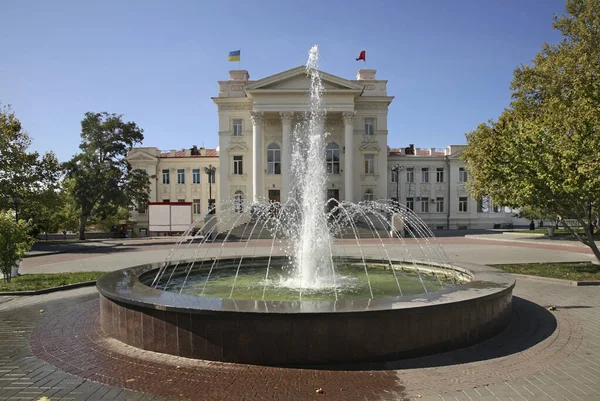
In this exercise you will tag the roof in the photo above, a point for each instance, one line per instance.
(182, 153)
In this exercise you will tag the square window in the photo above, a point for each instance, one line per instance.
(180, 176)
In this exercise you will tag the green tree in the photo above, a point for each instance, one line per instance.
(23, 175)
(102, 177)
(15, 242)
(544, 151)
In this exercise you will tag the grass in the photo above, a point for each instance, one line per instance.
(31, 282)
(567, 271)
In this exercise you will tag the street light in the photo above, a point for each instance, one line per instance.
(16, 203)
(210, 171)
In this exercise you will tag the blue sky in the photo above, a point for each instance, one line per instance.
(449, 63)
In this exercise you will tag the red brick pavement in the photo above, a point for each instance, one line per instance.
(72, 340)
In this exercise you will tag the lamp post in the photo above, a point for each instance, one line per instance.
(210, 171)
(16, 204)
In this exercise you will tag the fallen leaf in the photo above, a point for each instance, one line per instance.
(129, 380)
(169, 380)
(552, 308)
(42, 311)
(44, 398)
(319, 390)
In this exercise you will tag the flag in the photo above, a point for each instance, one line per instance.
(362, 56)
(234, 56)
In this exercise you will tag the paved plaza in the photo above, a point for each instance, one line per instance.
(53, 346)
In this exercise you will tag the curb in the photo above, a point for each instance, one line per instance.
(531, 241)
(52, 289)
(83, 249)
(558, 280)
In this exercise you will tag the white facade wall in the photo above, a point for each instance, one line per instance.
(270, 108)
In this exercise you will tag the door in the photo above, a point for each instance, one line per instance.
(274, 199)
(333, 198)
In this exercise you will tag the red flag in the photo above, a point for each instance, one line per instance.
(363, 56)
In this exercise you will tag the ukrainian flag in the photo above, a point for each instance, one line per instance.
(234, 56)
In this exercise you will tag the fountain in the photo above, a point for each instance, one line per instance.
(306, 281)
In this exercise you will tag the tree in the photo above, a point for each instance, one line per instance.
(15, 242)
(543, 151)
(102, 177)
(23, 175)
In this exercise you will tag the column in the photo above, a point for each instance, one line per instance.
(348, 156)
(257, 119)
(286, 153)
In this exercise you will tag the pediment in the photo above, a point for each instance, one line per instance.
(237, 146)
(369, 146)
(141, 156)
(297, 79)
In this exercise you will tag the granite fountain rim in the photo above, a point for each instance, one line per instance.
(124, 286)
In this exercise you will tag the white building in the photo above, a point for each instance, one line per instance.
(256, 121)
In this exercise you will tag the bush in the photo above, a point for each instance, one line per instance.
(15, 242)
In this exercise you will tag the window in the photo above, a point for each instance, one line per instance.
(239, 202)
(410, 174)
(439, 205)
(369, 195)
(141, 208)
(425, 174)
(196, 176)
(211, 178)
(394, 176)
(180, 176)
(196, 206)
(425, 205)
(166, 200)
(165, 174)
(410, 203)
(369, 164)
(439, 174)
(273, 159)
(462, 175)
(462, 204)
(369, 126)
(332, 156)
(237, 127)
(181, 200)
(238, 165)
(496, 208)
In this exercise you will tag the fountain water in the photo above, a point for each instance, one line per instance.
(293, 270)
(313, 255)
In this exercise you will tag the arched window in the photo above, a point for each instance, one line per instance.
(333, 158)
(239, 201)
(273, 159)
(369, 195)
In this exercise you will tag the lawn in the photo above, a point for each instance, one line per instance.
(567, 271)
(31, 282)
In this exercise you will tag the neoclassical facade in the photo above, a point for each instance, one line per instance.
(256, 124)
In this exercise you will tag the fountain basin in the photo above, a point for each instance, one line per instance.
(304, 332)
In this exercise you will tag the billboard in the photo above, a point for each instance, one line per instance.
(169, 216)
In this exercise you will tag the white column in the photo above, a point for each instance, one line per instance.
(257, 119)
(348, 156)
(286, 153)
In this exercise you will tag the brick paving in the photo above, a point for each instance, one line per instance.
(542, 356)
